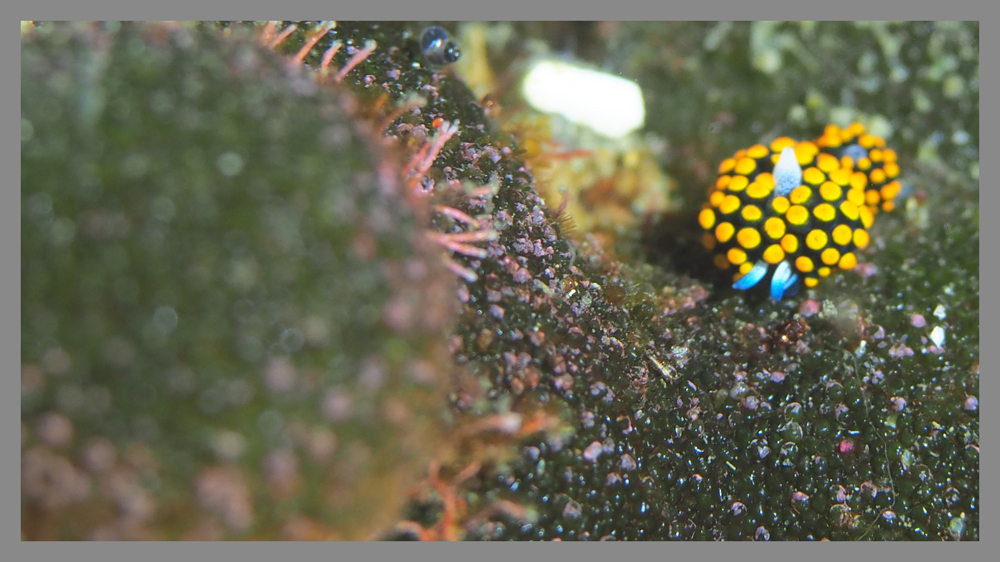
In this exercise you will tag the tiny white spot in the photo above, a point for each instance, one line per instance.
(229, 164)
(163, 209)
(937, 336)
(593, 451)
(62, 231)
(165, 319)
(939, 312)
(229, 445)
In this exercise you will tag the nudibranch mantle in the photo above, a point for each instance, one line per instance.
(792, 212)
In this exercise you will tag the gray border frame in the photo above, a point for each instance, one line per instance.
(506, 10)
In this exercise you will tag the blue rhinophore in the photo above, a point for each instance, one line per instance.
(752, 277)
(856, 152)
(783, 282)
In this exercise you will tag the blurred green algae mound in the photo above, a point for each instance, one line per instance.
(230, 324)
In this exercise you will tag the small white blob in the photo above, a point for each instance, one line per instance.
(937, 336)
(940, 312)
(593, 451)
(610, 105)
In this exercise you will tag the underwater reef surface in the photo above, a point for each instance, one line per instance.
(233, 327)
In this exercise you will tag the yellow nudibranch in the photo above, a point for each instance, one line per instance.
(794, 212)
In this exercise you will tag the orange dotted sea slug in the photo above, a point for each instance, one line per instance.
(794, 212)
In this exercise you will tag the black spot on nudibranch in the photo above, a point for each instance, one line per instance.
(437, 47)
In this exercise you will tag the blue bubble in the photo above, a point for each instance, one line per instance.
(437, 47)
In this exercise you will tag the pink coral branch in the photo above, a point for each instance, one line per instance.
(267, 34)
(473, 236)
(447, 242)
(314, 38)
(482, 192)
(283, 35)
(357, 59)
(398, 112)
(460, 270)
(328, 55)
(422, 161)
(457, 215)
(444, 133)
